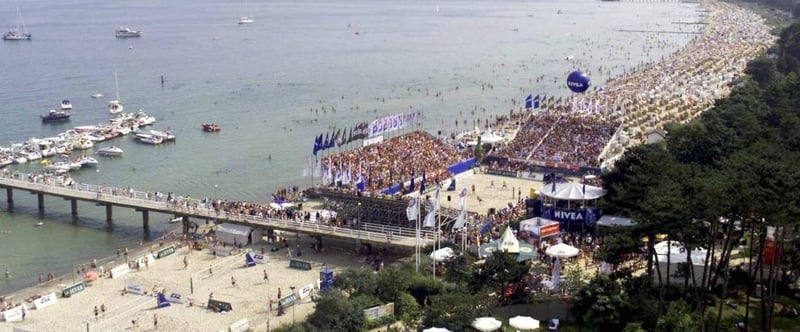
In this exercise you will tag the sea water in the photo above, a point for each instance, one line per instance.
(273, 86)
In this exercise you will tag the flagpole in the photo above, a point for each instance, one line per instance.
(419, 214)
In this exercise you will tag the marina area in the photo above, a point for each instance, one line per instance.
(276, 108)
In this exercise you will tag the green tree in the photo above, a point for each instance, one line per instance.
(356, 281)
(455, 311)
(679, 318)
(335, 313)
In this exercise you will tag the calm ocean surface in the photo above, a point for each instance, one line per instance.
(266, 84)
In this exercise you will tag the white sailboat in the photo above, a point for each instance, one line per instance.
(17, 33)
(246, 19)
(114, 106)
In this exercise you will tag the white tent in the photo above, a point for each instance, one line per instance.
(491, 138)
(571, 191)
(677, 253)
(227, 232)
(561, 250)
(486, 324)
(442, 255)
(523, 323)
(436, 329)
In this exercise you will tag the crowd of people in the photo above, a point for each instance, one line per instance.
(561, 136)
(576, 131)
(395, 160)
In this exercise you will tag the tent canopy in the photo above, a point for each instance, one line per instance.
(615, 221)
(562, 250)
(442, 255)
(676, 253)
(571, 191)
(491, 138)
(227, 232)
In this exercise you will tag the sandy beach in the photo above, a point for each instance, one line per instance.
(249, 297)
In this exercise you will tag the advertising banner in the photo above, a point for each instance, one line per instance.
(45, 301)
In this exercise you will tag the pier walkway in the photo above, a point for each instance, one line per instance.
(147, 202)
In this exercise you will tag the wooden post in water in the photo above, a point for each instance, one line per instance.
(109, 214)
(74, 206)
(40, 199)
(146, 220)
(9, 195)
(185, 222)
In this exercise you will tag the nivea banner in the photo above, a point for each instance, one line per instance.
(260, 259)
(45, 301)
(176, 298)
(571, 216)
(135, 288)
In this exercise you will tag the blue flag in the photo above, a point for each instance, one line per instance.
(361, 185)
(536, 102)
(325, 143)
(411, 188)
(422, 184)
(249, 261)
(162, 301)
(529, 101)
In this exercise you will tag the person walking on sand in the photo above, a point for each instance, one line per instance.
(185, 262)
(233, 281)
(155, 321)
(266, 277)
(279, 293)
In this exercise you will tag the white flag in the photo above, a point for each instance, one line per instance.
(412, 211)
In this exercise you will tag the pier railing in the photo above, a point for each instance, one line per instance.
(190, 207)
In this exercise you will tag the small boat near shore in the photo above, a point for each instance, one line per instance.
(18, 33)
(211, 127)
(66, 105)
(109, 151)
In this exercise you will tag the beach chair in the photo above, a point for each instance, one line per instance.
(553, 324)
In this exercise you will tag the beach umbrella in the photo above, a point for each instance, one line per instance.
(91, 276)
(523, 323)
(486, 324)
(562, 250)
(436, 329)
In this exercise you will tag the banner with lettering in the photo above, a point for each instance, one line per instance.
(306, 290)
(260, 259)
(176, 298)
(572, 217)
(45, 301)
(135, 288)
(393, 122)
(13, 315)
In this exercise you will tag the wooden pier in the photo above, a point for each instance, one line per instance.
(191, 208)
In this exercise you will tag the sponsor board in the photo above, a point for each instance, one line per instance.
(300, 265)
(145, 260)
(120, 270)
(306, 290)
(13, 315)
(373, 140)
(219, 305)
(45, 301)
(132, 287)
(288, 300)
(379, 311)
(240, 326)
(260, 259)
(70, 290)
(165, 252)
(176, 298)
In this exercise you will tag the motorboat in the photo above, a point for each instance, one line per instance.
(175, 220)
(87, 161)
(245, 20)
(165, 135)
(123, 32)
(66, 105)
(58, 166)
(82, 144)
(115, 107)
(109, 151)
(97, 95)
(56, 116)
(18, 33)
(149, 139)
(211, 127)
